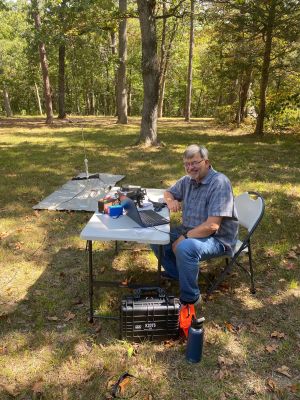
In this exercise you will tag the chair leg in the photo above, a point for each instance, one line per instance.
(221, 277)
(252, 286)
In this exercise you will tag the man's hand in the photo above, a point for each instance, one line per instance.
(177, 241)
(173, 205)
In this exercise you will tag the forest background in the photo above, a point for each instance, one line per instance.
(235, 60)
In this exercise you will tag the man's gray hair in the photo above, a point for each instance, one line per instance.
(193, 149)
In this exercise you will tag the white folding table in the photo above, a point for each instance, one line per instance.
(102, 227)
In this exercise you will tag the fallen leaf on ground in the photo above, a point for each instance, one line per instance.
(288, 266)
(277, 335)
(224, 287)
(69, 316)
(169, 343)
(292, 255)
(230, 327)
(284, 370)
(11, 389)
(125, 382)
(52, 318)
(38, 387)
(3, 235)
(222, 374)
(295, 388)
(270, 253)
(36, 213)
(272, 347)
(223, 361)
(82, 348)
(271, 385)
(121, 384)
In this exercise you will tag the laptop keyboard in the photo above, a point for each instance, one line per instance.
(151, 218)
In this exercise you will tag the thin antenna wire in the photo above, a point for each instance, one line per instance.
(86, 163)
(83, 142)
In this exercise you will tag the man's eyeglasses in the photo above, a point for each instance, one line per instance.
(192, 163)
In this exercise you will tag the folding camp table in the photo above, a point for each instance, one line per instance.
(102, 227)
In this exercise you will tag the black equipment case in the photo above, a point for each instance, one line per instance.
(150, 314)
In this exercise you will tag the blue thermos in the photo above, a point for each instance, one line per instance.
(195, 341)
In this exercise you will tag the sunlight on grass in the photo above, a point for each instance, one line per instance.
(249, 301)
(294, 285)
(235, 349)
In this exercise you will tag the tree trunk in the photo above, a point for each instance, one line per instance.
(129, 94)
(259, 129)
(114, 52)
(243, 95)
(7, 102)
(150, 71)
(44, 64)
(61, 81)
(121, 88)
(38, 99)
(190, 69)
(164, 61)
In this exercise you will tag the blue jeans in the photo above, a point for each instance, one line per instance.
(184, 264)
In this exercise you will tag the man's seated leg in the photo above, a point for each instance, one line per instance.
(168, 259)
(189, 253)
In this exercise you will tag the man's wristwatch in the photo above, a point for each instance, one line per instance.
(185, 235)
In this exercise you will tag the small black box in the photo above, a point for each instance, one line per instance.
(150, 314)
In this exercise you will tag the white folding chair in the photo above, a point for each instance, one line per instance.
(250, 209)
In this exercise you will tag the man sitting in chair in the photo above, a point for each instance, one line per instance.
(209, 222)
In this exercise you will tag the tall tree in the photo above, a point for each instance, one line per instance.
(165, 54)
(150, 71)
(269, 27)
(61, 64)
(7, 107)
(44, 62)
(38, 99)
(190, 67)
(121, 86)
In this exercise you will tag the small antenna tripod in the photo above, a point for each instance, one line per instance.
(86, 162)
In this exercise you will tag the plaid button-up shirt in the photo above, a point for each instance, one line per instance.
(212, 197)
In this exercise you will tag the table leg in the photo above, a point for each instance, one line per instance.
(160, 250)
(91, 280)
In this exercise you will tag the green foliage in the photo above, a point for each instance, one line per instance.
(225, 114)
(229, 44)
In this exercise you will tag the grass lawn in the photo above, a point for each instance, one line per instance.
(48, 350)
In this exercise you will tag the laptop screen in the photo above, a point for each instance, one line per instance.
(131, 210)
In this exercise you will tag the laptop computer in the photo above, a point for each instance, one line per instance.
(144, 218)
